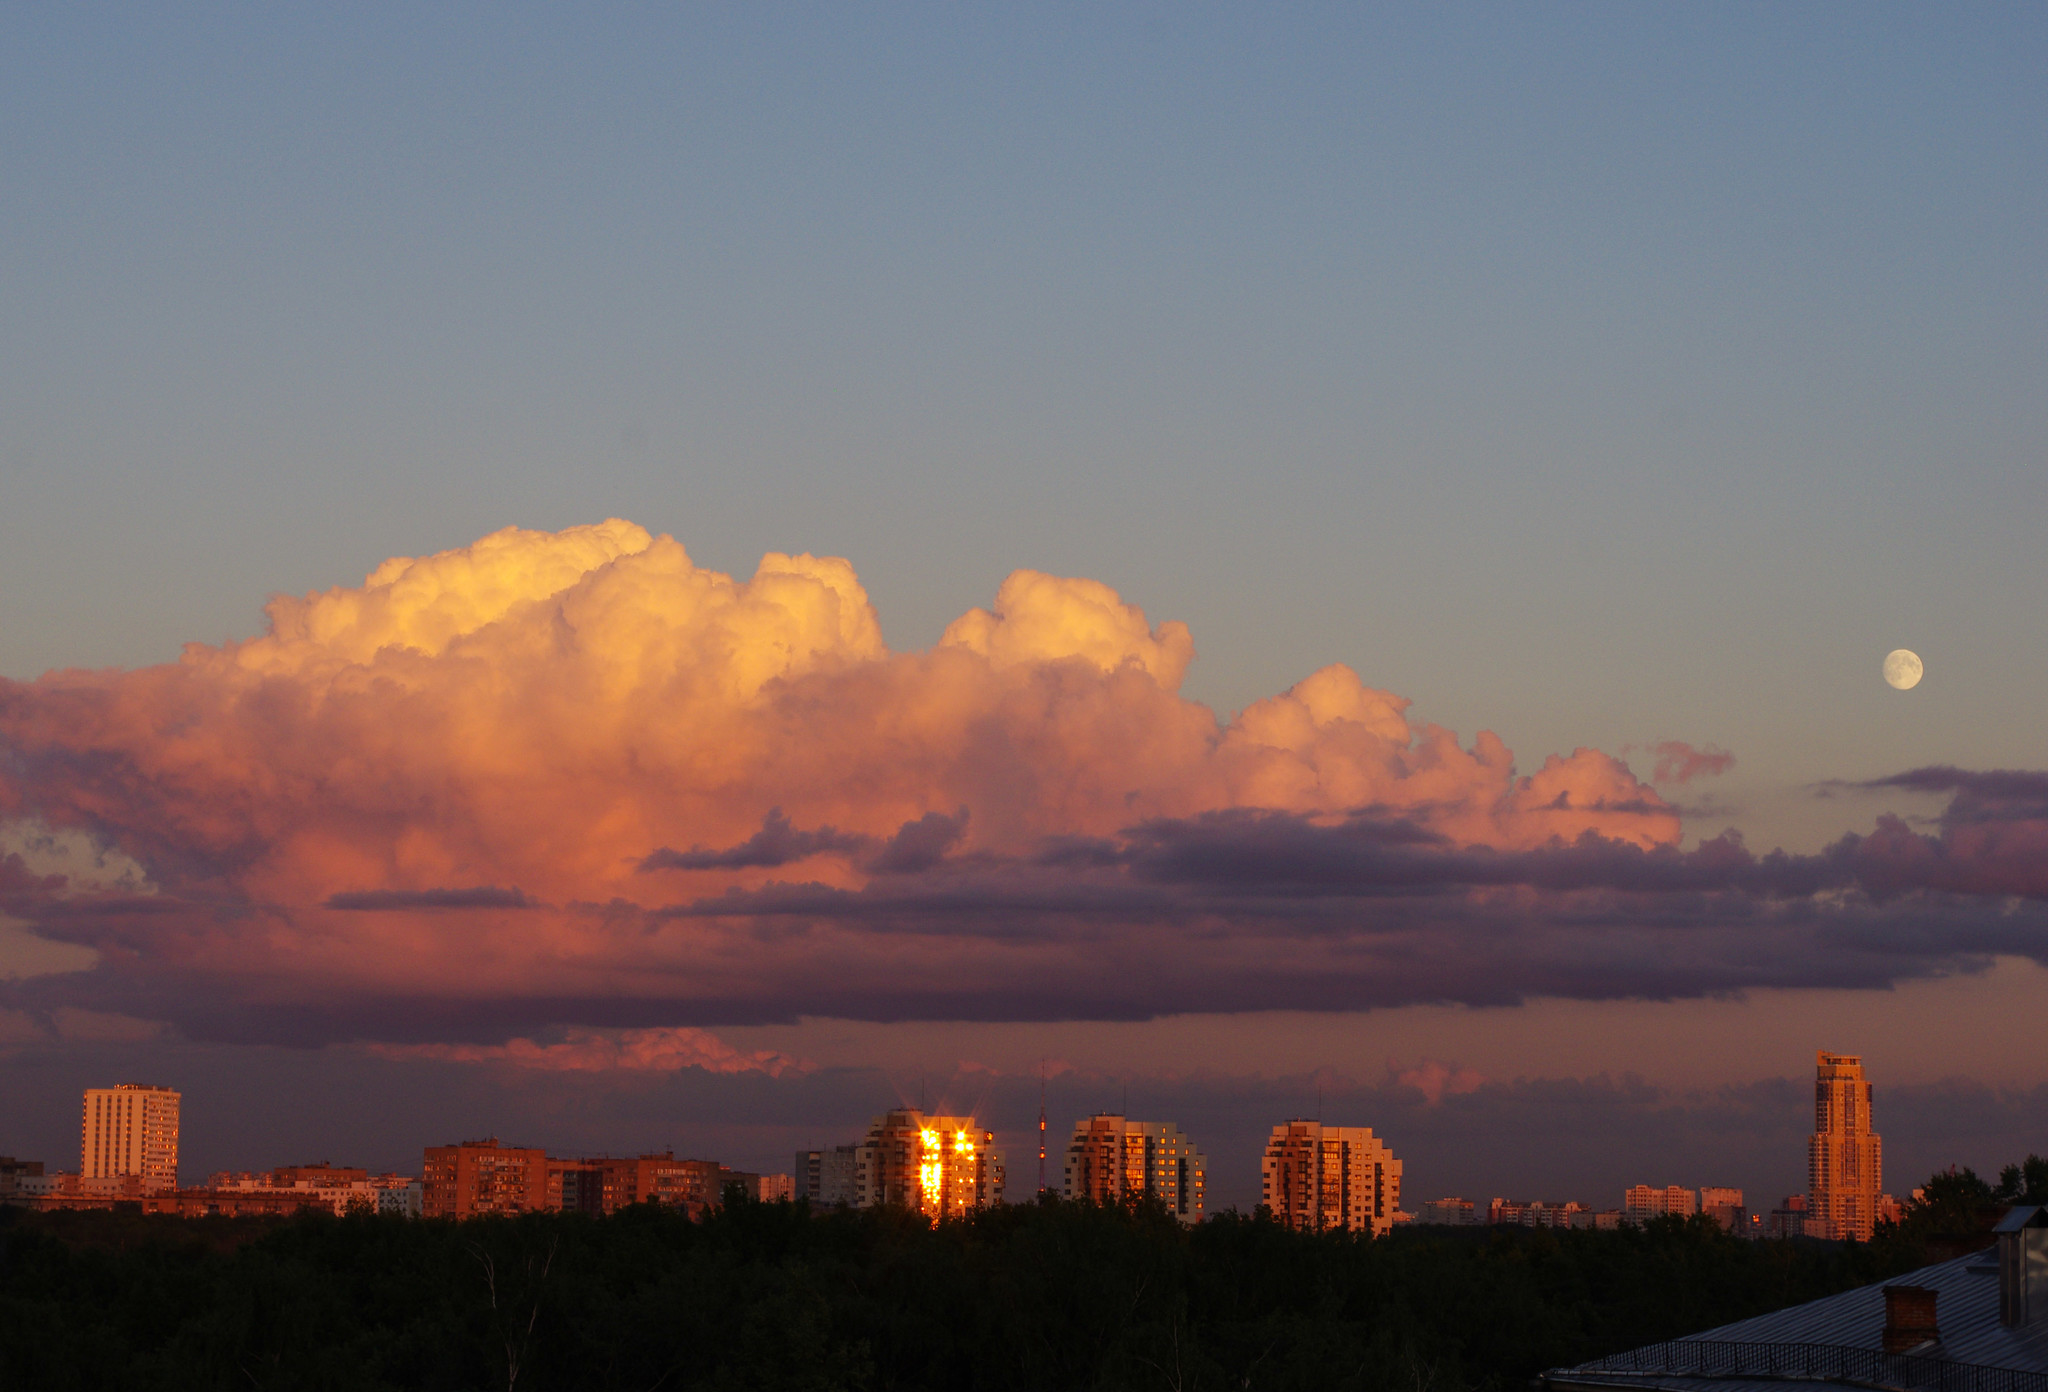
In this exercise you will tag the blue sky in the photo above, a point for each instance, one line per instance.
(1594, 374)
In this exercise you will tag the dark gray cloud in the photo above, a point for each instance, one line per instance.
(777, 843)
(389, 900)
(920, 845)
(1228, 911)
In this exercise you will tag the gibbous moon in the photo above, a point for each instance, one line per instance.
(1903, 669)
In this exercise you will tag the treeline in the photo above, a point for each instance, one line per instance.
(771, 1296)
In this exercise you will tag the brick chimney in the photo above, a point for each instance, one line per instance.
(1908, 1318)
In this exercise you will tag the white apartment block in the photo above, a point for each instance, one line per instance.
(1642, 1202)
(129, 1130)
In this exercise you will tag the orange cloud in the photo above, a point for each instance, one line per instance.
(534, 769)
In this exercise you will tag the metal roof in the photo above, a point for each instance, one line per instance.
(1838, 1339)
(1966, 1309)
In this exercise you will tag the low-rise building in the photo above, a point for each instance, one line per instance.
(603, 1184)
(1536, 1214)
(13, 1172)
(1642, 1202)
(1724, 1206)
(340, 1189)
(768, 1188)
(1452, 1212)
(1793, 1217)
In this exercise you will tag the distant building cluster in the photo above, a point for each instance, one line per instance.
(940, 1166)
(1843, 1200)
(1313, 1177)
(476, 1178)
(1461, 1212)
(128, 1155)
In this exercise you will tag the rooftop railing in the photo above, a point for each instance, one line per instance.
(1856, 1367)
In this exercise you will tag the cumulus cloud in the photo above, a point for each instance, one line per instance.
(443, 807)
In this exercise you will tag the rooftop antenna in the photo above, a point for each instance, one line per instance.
(1041, 1126)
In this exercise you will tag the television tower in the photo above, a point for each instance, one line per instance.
(1041, 1126)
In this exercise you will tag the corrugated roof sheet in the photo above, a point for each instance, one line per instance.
(1966, 1309)
(2025, 1217)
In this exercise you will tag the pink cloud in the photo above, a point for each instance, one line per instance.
(1434, 1079)
(574, 779)
(607, 1051)
(1678, 762)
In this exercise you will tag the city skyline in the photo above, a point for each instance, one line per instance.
(670, 580)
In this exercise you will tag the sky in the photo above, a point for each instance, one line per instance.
(1328, 562)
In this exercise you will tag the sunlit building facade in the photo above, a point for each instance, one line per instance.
(1844, 1158)
(940, 1166)
(340, 1189)
(1319, 1178)
(1111, 1159)
(130, 1132)
(1642, 1202)
(1724, 1206)
(479, 1177)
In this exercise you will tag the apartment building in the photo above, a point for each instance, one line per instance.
(1844, 1157)
(1642, 1202)
(1111, 1158)
(1321, 1178)
(940, 1166)
(129, 1132)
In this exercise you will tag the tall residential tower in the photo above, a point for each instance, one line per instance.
(130, 1131)
(1318, 1178)
(1111, 1159)
(1844, 1160)
(940, 1166)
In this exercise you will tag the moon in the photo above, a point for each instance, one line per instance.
(1903, 669)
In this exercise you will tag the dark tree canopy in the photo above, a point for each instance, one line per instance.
(1049, 1295)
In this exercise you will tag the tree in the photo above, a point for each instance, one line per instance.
(2024, 1183)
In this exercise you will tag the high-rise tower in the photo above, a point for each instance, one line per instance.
(1321, 1178)
(940, 1166)
(1041, 1128)
(130, 1130)
(1111, 1159)
(1844, 1159)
